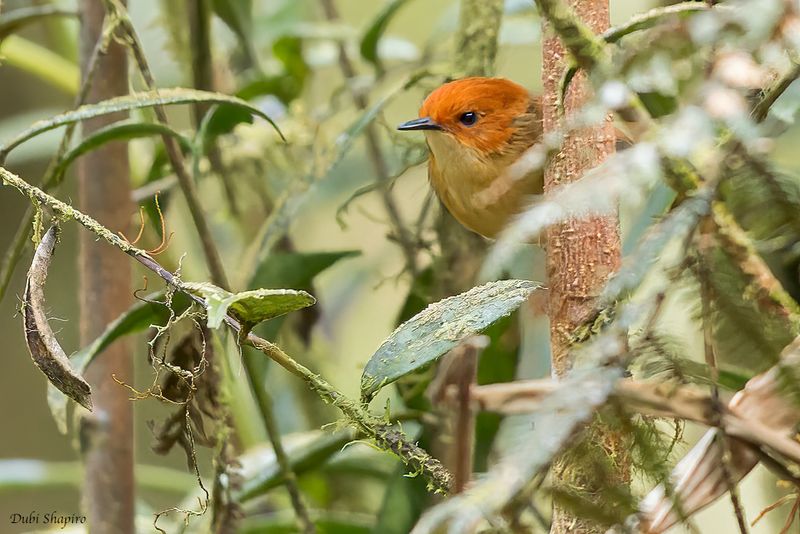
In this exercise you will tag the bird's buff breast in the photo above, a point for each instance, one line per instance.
(476, 190)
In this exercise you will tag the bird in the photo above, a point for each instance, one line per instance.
(476, 128)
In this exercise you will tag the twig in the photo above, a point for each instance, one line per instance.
(657, 400)
(383, 434)
(586, 47)
(213, 258)
(450, 391)
(404, 237)
(772, 94)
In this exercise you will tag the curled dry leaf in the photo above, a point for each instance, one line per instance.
(47, 354)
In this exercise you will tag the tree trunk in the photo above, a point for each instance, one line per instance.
(581, 254)
(105, 292)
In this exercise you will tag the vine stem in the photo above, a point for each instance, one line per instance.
(386, 437)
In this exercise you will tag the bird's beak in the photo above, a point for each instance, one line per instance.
(424, 123)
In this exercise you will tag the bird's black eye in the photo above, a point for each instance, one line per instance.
(469, 118)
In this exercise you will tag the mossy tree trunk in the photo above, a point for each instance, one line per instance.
(105, 292)
(581, 254)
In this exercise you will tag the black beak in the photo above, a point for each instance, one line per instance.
(425, 123)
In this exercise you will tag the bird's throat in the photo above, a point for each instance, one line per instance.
(475, 188)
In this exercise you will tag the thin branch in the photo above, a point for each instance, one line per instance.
(203, 78)
(586, 47)
(383, 434)
(404, 237)
(185, 180)
(772, 94)
(656, 400)
(649, 19)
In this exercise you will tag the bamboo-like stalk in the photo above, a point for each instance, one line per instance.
(105, 282)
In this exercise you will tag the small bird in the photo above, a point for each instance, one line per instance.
(476, 128)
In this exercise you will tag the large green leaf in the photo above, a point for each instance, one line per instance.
(305, 451)
(439, 328)
(295, 270)
(162, 97)
(123, 130)
(369, 42)
(249, 307)
(146, 312)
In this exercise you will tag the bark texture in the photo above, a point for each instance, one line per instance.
(581, 254)
(105, 292)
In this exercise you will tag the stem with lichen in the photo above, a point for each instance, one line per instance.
(383, 434)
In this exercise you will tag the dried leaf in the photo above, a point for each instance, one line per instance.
(47, 354)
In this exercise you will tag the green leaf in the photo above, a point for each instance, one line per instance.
(249, 307)
(658, 105)
(295, 270)
(139, 317)
(238, 16)
(41, 62)
(162, 97)
(13, 21)
(305, 451)
(325, 521)
(369, 42)
(122, 130)
(439, 328)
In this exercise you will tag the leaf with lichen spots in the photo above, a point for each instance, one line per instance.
(249, 307)
(439, 328)
(45, 350)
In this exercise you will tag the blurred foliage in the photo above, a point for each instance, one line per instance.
(283, 150)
